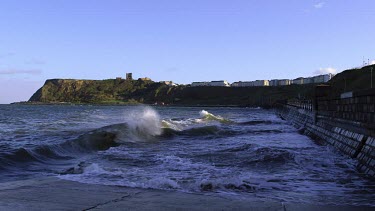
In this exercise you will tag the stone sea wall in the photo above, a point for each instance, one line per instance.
(349, 137)
(356, 106)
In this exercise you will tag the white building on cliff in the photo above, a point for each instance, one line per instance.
(212, 83)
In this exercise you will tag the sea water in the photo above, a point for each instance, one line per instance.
(242, 152)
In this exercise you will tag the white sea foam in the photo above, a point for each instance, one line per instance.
(94, 169)
(175, 163)
(145, 122)
(172, 125)
(204, 113)
(162, 183)
(233, 164)
(183, 124)
(208, 116)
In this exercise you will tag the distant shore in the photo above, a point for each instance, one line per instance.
(131, 104)
(130, 92)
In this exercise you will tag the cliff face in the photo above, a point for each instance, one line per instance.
(122, 91)
(117, 91)
(98, 91)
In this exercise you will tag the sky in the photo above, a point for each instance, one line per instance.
(179, 40)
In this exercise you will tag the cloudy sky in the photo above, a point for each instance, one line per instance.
(179, 40)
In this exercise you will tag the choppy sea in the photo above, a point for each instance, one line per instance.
(243, 152)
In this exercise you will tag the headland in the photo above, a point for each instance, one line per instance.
(145, 91)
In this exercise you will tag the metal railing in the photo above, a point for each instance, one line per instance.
(302, 104)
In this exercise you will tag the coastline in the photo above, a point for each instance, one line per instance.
(133, 104)
(51, 193)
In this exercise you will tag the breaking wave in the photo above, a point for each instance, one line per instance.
(236, 151)
(208, 116)
(145, 122)
(143, 125)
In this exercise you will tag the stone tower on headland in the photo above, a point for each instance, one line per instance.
(129, 76)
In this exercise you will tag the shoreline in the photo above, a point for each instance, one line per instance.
(112, 104)
(52, 193)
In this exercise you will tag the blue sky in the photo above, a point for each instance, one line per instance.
(179, 40)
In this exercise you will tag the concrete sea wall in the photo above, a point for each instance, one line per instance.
(349, 137)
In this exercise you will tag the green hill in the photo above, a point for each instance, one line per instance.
(95, 91)
(120, 91)
(352, 80)
(113, 91)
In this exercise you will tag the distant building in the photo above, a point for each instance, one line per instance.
(328, 77)
(218, 83)
(212, 83)
(323, 78)
(251, 83)
(261, 83)
(298, 81)
(238, 84)
(283, 82)
(308, 80)
(118, 78)
(129, 76)
(145, 79)
(204, 83)
(319, 79)
(279, 82)
(274, 82)
(242, 83)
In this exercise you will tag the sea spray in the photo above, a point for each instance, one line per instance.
(145, 122)
(244, 159)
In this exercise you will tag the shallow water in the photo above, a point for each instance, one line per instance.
(244, 152)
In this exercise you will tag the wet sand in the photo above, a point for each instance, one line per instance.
(56, 194)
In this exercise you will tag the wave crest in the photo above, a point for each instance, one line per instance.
(145, 122)
(208, 116)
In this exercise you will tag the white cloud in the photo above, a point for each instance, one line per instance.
(326, 70)
(20, 71)
(319, 5)
(372, 62)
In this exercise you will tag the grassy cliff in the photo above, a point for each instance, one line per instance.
(114, 91)
(352, 80)
(97, 91)
(119, 91)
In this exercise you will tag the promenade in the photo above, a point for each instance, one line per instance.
(56, 194)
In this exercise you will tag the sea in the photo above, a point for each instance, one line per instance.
(237, 152)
